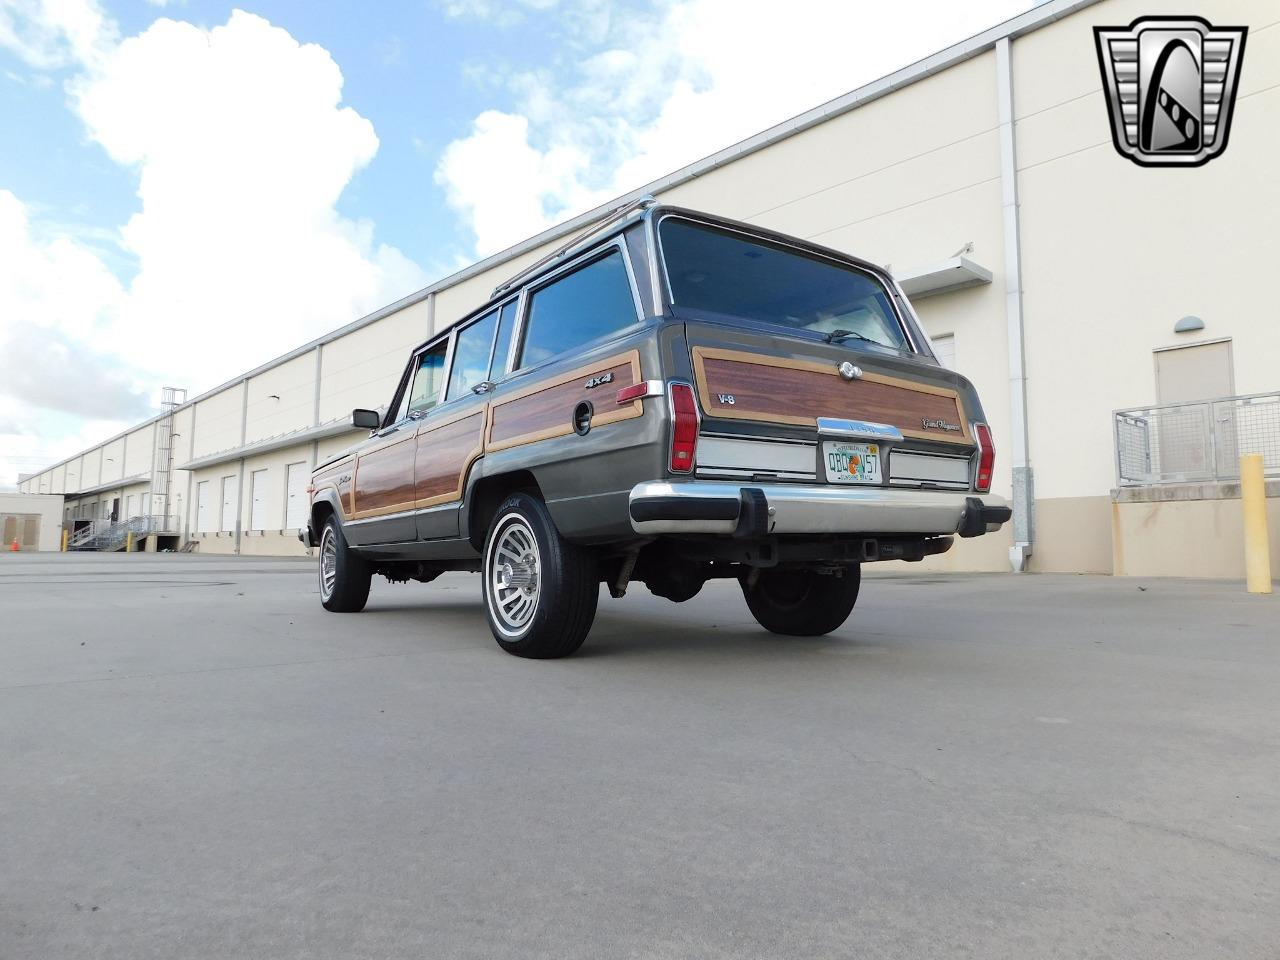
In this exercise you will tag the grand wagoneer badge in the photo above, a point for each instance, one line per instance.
(930, 424)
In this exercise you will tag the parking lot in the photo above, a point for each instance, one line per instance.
(198, 761)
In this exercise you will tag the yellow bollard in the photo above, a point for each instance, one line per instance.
(1253, 498)
(128, 542)
(66, 536)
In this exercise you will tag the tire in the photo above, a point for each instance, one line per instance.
(540, 591)
(802, 603)
(344, 574)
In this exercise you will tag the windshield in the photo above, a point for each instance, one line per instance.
(726, 272)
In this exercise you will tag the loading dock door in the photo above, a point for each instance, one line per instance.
(258, 499)
(230, 496)
(295, 510)
(203, 505)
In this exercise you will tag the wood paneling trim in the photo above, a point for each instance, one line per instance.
(456, 441)
(382, 481)
(781, 390)
(543, 410)
(328, 478)
(454, 446)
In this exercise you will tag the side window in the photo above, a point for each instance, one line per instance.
(506, 324)
(588, 303)
(424, 392)
(471, 356)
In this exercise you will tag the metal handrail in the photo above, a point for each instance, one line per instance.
(1199, 441)
(96, 536)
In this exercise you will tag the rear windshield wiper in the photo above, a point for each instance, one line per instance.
(835, 336)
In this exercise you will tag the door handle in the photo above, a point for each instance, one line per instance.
(484, 386)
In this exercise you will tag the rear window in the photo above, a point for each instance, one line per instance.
(591, 302)
(730, 273)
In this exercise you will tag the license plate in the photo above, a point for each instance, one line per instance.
(851, 462)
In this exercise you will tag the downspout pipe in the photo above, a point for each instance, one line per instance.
(1023, 478)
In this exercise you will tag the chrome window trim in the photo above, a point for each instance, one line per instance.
(579, 262)
(517, 335)
(458, 330)
(405, 391)
(886, 280)
(656, 265)
(493, 347)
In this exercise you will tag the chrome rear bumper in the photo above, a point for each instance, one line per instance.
(698, 506)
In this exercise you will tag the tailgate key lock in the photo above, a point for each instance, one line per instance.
(850, 371)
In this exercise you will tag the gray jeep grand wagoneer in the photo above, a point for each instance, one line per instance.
(670, 398)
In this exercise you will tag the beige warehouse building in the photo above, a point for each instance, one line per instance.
(1066, 281)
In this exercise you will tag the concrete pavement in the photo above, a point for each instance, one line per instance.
(198, 761)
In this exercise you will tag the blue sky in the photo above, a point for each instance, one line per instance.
(412, 70)
(273, 170)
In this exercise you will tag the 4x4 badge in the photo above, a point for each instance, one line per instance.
(600, 380)
(1171, 85)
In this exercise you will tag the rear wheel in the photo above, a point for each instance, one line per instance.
(344, 574)
(802, 603)
(540, 591)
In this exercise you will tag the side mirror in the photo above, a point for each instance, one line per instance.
(366, 419)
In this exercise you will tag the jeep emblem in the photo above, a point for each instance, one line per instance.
(850, 371)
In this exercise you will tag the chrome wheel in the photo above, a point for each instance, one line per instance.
(512, 569)
(328, 563)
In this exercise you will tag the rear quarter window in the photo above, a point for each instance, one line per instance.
(592, 301)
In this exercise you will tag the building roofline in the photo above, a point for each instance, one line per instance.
(1038, 16)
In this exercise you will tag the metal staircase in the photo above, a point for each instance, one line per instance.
(105, 536)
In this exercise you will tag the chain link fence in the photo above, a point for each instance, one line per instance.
(1196, 442)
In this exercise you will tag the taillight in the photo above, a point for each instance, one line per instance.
(684, 427)
(986, 457)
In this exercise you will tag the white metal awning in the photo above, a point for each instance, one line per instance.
(108, 485)
(323, 431)
(954, 274)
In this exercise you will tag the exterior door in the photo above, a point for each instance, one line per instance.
(295, 505)
(258, 500)
(204, 508)
(230, 497)
(383, 496)
(1195, 441)
(451, 437)
(1202, 372)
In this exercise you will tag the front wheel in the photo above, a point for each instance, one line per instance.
(802, 603)
(344, 575)
(540, 591)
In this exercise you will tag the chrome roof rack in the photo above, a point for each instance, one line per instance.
(620, 212)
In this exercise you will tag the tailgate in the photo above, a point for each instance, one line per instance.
(779, 407)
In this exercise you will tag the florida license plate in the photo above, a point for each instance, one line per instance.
(851, 462)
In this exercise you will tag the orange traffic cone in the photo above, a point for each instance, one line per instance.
(13, 547)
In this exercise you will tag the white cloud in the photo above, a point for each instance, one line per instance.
(659, 90)
(242, 148)
(50, 34)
